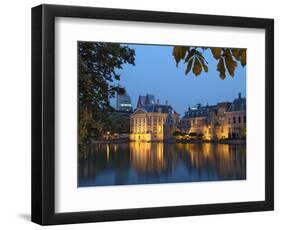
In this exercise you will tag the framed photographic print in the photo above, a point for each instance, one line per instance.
(142, 114)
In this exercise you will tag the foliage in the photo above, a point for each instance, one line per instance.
(177, 133)
(192, 134)
(98, 64)
(118, 124)
(226, 58)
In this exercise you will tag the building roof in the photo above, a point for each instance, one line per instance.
(224, 104)
(238, 104)
(157, 108)
(200, 111)
(146, 100)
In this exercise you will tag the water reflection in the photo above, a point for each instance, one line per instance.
(141, 163)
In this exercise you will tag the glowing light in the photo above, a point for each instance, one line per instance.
(107, 152)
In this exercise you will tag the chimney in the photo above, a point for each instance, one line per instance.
(157, 101)
(239, 95)
(166, 102)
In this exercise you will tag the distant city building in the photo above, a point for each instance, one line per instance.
(217, 122)
(123, 103)
(152, 121)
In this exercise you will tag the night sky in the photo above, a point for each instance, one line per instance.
(156, 73)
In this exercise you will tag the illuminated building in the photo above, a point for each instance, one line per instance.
(217, 122)
(153, 122)
(235, 118)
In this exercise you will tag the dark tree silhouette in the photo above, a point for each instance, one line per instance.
(98, 63)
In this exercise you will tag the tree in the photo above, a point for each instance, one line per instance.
(177, 133)
(227, 59)
(119, 124)
(98, 63)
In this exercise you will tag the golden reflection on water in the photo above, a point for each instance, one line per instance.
(147, 157)
(225, 158)
(140, 162)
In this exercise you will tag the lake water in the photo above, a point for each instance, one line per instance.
(147, 163)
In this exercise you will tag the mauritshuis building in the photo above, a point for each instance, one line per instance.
(152, 121)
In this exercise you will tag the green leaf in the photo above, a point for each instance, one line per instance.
(216, 52)
(221, 68)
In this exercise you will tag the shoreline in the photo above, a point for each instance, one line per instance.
(170, 141)
(213, 141)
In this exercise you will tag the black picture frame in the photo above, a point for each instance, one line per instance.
(43, 114)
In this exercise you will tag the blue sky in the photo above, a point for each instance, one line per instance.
(156, 73)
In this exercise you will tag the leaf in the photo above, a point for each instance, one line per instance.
(117, 77)
(243, 57)
(221, 68)
(205, 67)
(179, 53)
(230, 63)
(216, 52)
(203, 62)
(202, 57)
(189, 65)
(189, 55)
(236, 54)
(197, 68)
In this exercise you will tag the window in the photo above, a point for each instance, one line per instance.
(239, 119)
(234, 120)
(244, 119)
(155, 129)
